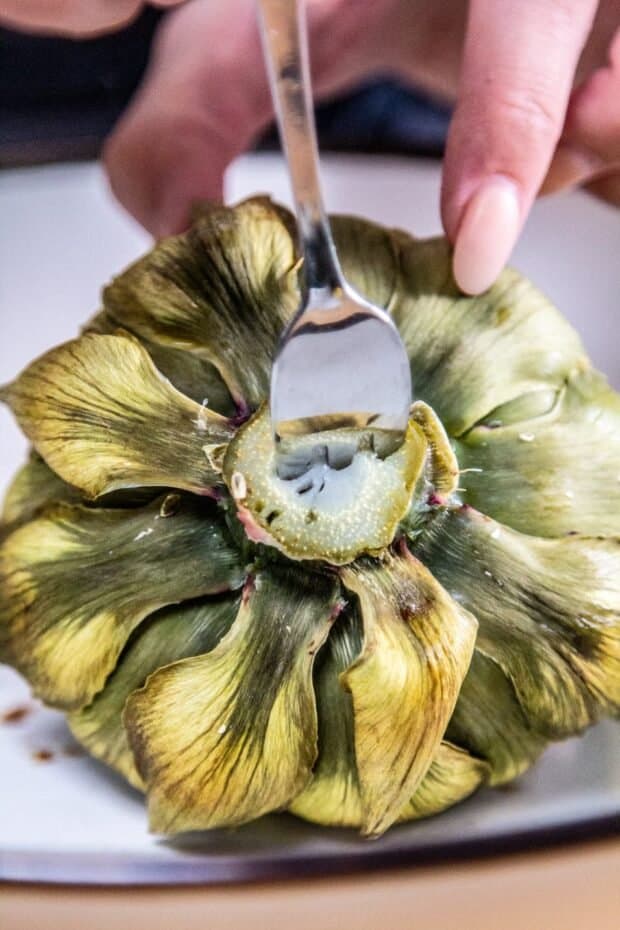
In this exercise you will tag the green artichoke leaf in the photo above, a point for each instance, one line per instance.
(333, 796)
(454, 775)
(75, 582)
(416, 650)
(171, 634)
(378, 279)
(224, 290)
(548, 613)
(190, 374)
(103, 418)
(34, 486)
(230, 735)
(471, 354)
(489, 722)
(552, 474)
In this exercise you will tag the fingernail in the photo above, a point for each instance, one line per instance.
(570, 166)
(486, 235)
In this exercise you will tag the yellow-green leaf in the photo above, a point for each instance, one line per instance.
(471, 354)
(554, 473)
(489, 721)
(75, 582)
(34, 486)
(333, 797)
(404, 684)
(225, 737)
(224, 290)
(548, 613)
(169, 635)
(102, 416)
(454, 775)
(196, 377)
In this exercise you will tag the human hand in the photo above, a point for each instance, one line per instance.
(78, 18)
(525, 77)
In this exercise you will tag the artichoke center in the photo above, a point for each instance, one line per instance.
(333, 500)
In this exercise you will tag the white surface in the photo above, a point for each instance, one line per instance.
(61, 238)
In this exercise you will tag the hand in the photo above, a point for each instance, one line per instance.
(205, 99)
(78, 18)
(526, 77)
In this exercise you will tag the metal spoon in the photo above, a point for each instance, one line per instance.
(341, 360)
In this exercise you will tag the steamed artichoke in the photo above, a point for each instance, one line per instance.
(362, 652)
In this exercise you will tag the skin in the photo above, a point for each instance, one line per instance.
(536, 87)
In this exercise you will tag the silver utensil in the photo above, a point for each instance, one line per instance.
(341, 360)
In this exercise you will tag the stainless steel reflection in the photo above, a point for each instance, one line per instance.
(341, 358)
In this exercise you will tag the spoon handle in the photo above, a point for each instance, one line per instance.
(285, 46)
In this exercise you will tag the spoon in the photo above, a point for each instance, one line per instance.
(341, 361)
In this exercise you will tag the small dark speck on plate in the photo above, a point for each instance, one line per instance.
(16, 714)
(42, 755)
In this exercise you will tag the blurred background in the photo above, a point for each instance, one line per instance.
(59, 98)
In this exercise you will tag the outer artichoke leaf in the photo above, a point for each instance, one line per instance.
(332, 797)
(548, 609)
(190, 374)
(471, 354)
(171, 634)
(228, 736)
(489, 721)
(369, 256)
(553, 474)
(101, 415)
(325, 513)
(34, 486)
(75, 582)
(417, 647)
(453, 776)
(224, 290)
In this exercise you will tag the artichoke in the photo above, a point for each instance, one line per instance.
(363, 650)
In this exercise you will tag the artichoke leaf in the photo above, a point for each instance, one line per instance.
(34, 486)
(555, 473)
(224, 290)
(489, 722)
(548, 613)
(356, 240)
(103, 418)
(228, 736)
(75, 582)
(470, 354)
(333, 796)
(190, 374)
(167, 636)
(453, 775)
(416, 650)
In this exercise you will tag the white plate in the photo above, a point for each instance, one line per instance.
(66, 818)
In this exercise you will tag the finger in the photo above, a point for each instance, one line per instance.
(518, 67)
(75, 18)
(205, 99)
(589, 149)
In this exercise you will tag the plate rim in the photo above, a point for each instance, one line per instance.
(118, 870)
